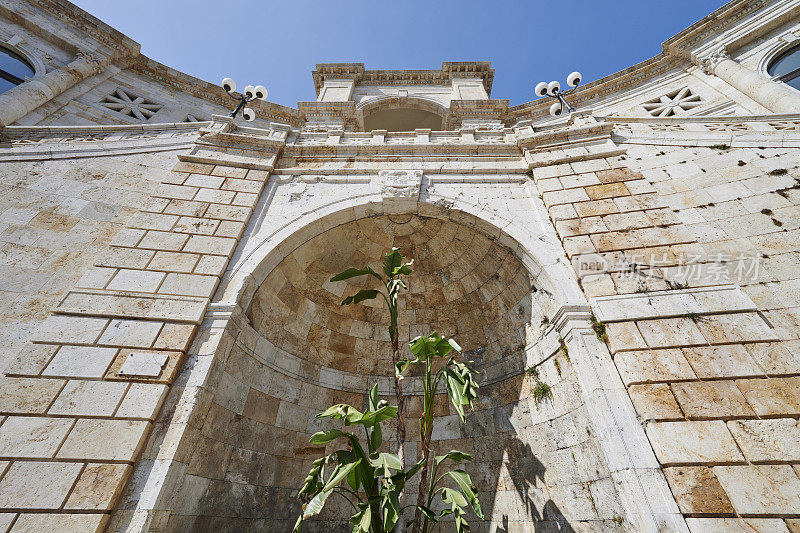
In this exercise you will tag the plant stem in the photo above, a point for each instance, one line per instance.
(398, 392)
(426, 430)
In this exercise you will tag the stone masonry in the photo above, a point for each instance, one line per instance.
(169, 330)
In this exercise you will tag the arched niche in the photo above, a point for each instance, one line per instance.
(288, 351)
(401, 114)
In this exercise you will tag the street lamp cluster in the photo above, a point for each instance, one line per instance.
(250, 93)
(553, 90)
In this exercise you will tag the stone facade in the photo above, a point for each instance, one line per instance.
(169, 330)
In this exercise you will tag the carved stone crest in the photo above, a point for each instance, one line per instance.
(400, 183)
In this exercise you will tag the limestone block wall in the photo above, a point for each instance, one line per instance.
(79, 403)
(687, 254)
(56, 218)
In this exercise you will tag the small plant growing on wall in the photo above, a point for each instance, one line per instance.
(371, 480)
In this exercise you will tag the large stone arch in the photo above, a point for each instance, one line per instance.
(242, 422)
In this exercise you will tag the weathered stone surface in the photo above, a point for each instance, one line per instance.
(777, 396)
(693, 442)
(98, 487)
(653, 365)
(697, 490)
(731, 525)
(31, 523)
(37, 485)
(759, 490)
(142, 401)
(92, 398)
(767, 440)
(28, 395)
(722, 361)
(275, 346)
(655, 402)
(80, 362)
(32, 437)
(711, 399)
(104, 440)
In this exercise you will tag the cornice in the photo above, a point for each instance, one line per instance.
(461, 110)
(606, 86)
(449, 70)
(78, 19)
(209, 92)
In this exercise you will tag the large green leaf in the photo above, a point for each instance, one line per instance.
(454, 497)
(360, 296)
(428, 513)
(454, 455)
(373, 397)
(402, 365)
(376, 438)
(371, 418)
(427, 346)
(339, 474)
(350, 414)
(465, 483)
(387, 462)
(316, 504)
(391, 261)
(322, 437)
(362, 520)
(355, 272)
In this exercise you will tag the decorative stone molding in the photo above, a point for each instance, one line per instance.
(449, 70)
(709, 62)
(27, 143)
(400, 183)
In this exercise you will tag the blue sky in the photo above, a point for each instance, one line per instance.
(278, 43)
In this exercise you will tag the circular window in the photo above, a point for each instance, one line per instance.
(787, 67)
(13, 69)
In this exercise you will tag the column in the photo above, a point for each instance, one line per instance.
(774, 95)
(24, 98)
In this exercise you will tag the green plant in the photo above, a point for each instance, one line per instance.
(394, 266)
(618, 519)
(428, 353)
(541, 392)
(599, 328)
(563, 347)
(719, 146)
(532, 372)
(376, 480)
(557, 365)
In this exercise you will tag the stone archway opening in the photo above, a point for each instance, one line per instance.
(402, 113)
(295, 351)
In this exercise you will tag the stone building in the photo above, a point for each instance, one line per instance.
(169, 330)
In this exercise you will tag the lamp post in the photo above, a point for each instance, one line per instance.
(553, 90)
(250, 94)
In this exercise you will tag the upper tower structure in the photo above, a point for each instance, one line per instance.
(351, 97)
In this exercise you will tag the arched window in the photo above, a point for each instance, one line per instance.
(13, 69)
(787, 67)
